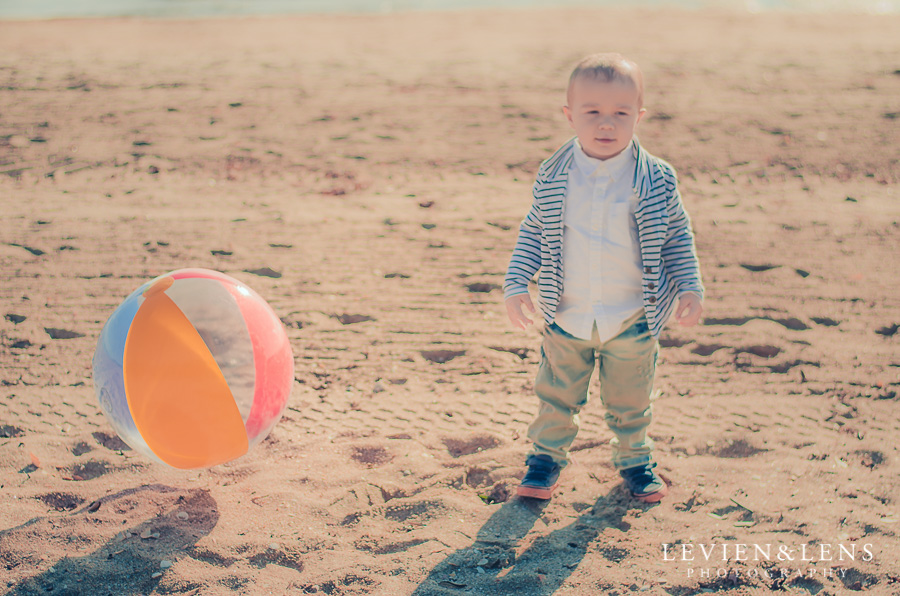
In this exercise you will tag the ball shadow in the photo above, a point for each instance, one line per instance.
(130, 562)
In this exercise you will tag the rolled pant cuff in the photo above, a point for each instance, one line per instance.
(562, 462)
(631, 462)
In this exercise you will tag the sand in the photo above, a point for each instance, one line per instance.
(366, 175)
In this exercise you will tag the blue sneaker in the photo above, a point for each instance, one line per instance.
(645, 484)
(541, 479)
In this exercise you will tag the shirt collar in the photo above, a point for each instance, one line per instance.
(616, 167)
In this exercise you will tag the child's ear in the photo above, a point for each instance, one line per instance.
(568, 114)
(640, 117)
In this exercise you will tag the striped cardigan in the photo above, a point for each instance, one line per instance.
(670, 266)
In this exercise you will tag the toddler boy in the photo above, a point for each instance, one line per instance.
(609, 234)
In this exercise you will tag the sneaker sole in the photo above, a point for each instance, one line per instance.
(654, 497)
(536, 492)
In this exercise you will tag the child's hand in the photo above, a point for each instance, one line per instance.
(514, 306)
(689, 309)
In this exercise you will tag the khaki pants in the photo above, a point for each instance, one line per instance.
(626, 363)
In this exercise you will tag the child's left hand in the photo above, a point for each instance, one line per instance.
(689, 309)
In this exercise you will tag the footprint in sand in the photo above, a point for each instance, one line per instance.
(737, 449)
(8, 431)
(264, 272)
(461, 447)
(271, 556)
(87, 470)
(35, 251)
(706, 349)
(351, 319)
(758, 268)
(110, 441)
(856, 580)
(825, 321)
(482, 288)
(420, 510)
(761, 351)
(371, 457)
(673, 342)
(56, 333)
(478, 477)
(60, 501)
(80, 448)
(614, 554)
(731, 321)
(499, 493)
(205, 555)
(359, 584)
(441, 356)
(888, 330)
(792, 323)
(870, 459)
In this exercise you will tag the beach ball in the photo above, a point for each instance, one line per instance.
(193, 369)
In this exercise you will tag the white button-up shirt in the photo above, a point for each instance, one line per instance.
(601, 252)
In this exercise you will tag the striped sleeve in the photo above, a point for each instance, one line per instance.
(678, 251)
(526, 256)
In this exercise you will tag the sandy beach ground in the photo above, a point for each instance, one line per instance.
(366, 175)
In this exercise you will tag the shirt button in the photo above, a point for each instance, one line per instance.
(651, 285)
(652, 300)
(647, 270)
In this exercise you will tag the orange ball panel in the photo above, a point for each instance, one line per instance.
(178, 397)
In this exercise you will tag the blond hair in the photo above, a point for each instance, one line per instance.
(608, 67)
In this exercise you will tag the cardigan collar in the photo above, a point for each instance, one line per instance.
(556, 168)
(615, 167)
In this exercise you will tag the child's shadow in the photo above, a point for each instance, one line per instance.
(497, 564)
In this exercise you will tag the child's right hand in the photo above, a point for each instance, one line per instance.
(514, 306)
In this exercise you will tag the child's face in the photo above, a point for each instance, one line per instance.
(603, 114)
